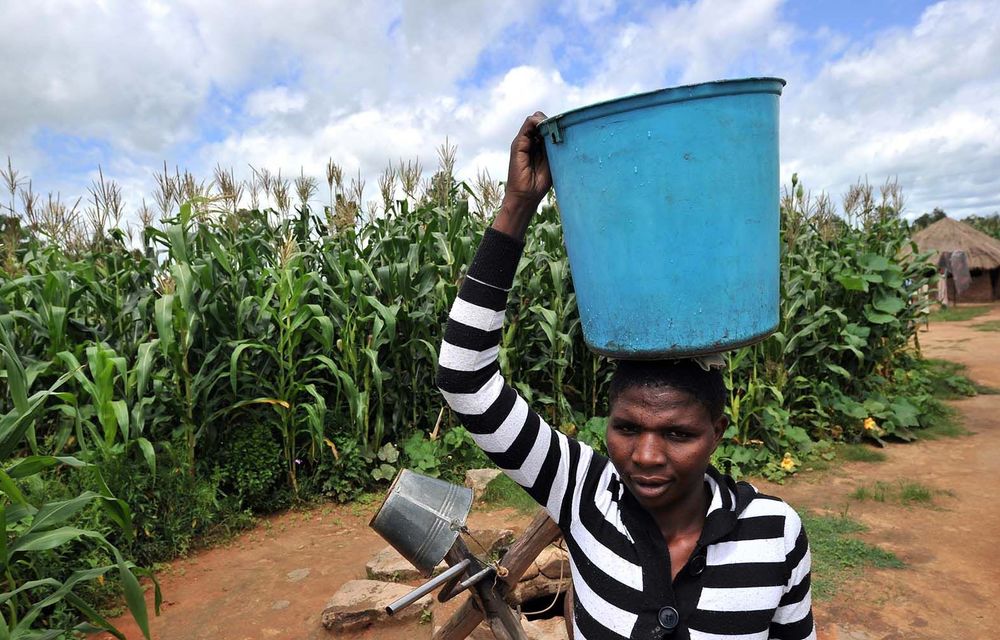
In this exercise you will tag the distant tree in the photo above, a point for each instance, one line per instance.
(990, 225)
(928, 219)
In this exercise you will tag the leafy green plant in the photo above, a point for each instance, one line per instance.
(28, 530)
(386, 458)
(252, 467)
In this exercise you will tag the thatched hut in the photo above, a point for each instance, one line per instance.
(982, 251)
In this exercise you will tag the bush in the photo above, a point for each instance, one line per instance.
(345, 476)
(173, 511)
(251, 469)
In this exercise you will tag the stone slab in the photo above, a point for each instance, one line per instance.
(389, 566)
(360, 604)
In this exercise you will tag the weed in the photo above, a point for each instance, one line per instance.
(905, 492)
(948, 380)
(876, 493)
(958, 314)
(990, 325)
(914, 492)
(837, 556)
(426, 616)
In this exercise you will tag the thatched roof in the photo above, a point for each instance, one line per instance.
(951, 235)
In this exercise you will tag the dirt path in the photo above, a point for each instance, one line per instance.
(951, 586)
(273, 582)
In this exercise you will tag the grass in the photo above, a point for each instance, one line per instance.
(860, 453)
(989, 325)
(877, 492)
(958, 314)
(915, 493)
(950, 382)
(837, 556)
(945, 424)
(504, 492)
(905, 492)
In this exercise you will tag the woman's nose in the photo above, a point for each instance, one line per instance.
(648, 451)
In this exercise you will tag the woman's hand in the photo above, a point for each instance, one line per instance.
(528, 179)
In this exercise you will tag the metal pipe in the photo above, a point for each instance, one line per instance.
(447, 594)
(427, 587)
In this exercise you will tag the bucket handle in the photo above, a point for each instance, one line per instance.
(551, 129)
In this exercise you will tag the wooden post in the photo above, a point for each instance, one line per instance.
(540, 533)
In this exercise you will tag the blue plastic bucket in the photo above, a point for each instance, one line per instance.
(669, 205)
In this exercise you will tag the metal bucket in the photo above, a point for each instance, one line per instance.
(421, 517)
(669, 205)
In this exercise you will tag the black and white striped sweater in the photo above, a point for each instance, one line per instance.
(748, 577)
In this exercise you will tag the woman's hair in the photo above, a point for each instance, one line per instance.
(706, 387)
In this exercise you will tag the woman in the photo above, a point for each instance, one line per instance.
(661, 544)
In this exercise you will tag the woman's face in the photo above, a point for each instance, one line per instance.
(661, 439)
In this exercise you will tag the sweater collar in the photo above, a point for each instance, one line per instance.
(729, 499)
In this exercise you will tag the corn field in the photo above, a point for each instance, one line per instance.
(242, 351)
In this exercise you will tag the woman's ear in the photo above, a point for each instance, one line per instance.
(720, 428)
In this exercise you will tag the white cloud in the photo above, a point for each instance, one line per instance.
(290, 84)
(276, 100)
(697, 42)
(920, 104)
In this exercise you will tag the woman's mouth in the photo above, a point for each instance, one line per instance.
(649, 487)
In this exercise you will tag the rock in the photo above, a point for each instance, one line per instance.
(297, 575)
(553, 562)
(550, 629)
(477, 479)
(360, 604)
(837, 632)
(543, 576)
(278, 605)
(388, 565)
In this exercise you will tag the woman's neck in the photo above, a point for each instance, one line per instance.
(685, 518)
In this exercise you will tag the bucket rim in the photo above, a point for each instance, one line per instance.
(667, 95)
(679, 354)
(388, 494)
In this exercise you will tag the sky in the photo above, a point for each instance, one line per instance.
(879, 89)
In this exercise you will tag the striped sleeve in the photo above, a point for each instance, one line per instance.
(517, 439)
(793, 619)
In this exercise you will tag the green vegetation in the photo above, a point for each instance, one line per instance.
(837, 556)
(905, 492)
(503, 492)
(911, 492)
(990, 225)
(958, 313)
(948, 380)
(989, 325)
(860, 453)
(840, 367)
(945, 425)
(237, 353)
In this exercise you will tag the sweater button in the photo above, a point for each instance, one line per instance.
(668, 618)
(697, 565)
